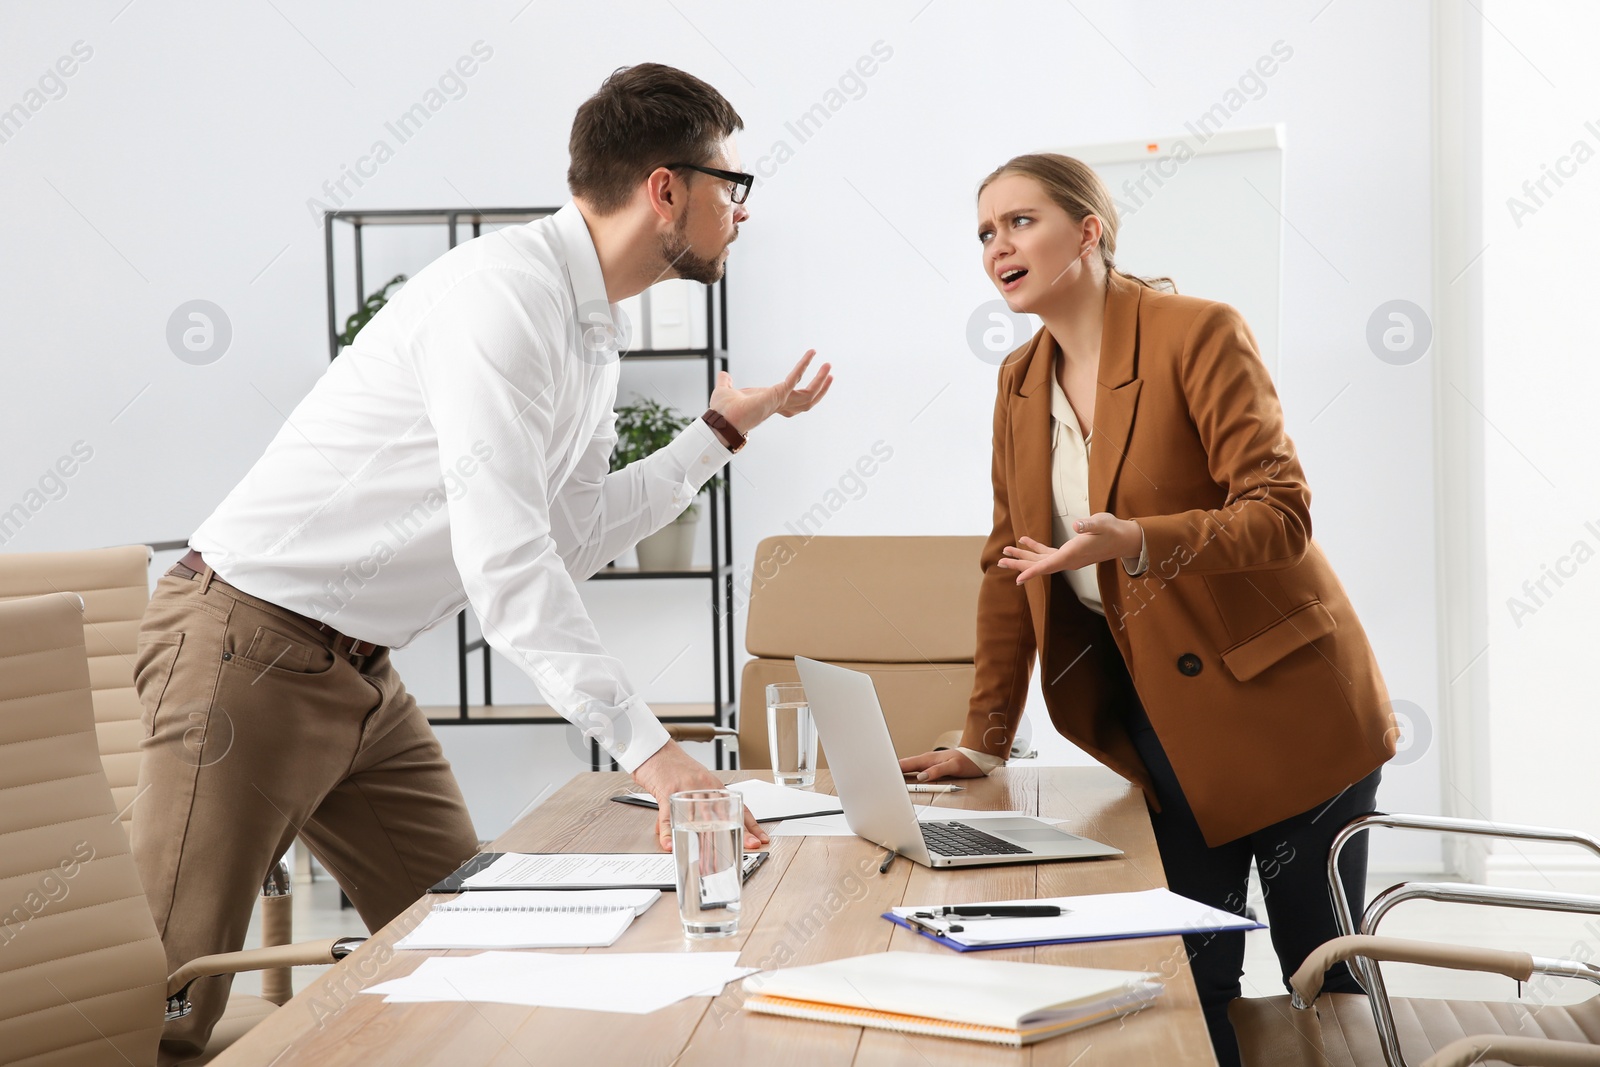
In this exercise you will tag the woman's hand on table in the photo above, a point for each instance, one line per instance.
(943, 763)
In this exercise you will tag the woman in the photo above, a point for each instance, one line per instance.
(1191, 635)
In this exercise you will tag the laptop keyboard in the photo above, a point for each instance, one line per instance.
(959, 839)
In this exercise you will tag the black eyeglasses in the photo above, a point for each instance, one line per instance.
(741, 182)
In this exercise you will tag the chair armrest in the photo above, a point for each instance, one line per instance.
(1442, 825)
(1307, 981)
(306, 953)
(1529, 1051)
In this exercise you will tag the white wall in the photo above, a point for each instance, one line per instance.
(179, 160)
(1541, 378)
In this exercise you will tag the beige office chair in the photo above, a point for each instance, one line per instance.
(82, 973)
(1351, 1030)
(114, 585)
(902, 609)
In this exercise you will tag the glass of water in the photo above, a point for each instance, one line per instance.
(791, 735)
(708, 847)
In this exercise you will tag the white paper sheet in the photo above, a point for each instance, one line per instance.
(767, 800)
(634, 983)
(835, 826)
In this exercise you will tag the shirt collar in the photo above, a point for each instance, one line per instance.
(1060, 406)
(583, 270)
(1065, 416)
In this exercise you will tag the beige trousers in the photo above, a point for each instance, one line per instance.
(258, 733)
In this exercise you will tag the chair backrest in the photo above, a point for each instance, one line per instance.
(902, 609)
(114, 584)
(82, 971)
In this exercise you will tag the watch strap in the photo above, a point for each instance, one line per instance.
(725, 431)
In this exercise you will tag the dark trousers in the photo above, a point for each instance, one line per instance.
(1292, 857)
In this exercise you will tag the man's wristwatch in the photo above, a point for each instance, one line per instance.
(732, 438)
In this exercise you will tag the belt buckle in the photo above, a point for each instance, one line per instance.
(350, 646)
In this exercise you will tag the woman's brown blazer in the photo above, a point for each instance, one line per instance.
(1241, 643)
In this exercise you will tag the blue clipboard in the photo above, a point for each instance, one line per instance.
(959, 947)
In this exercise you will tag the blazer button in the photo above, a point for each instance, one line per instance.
(1189, 664)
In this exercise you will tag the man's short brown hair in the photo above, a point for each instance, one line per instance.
(643, 117)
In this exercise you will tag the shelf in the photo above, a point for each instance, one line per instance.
(720, 354)
(617, 574)
(433, 217)
(532, 714)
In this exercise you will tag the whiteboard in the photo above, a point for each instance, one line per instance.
(1206, 213)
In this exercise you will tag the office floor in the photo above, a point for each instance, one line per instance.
(317, 915)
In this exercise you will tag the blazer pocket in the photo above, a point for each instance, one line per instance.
(1300, 627)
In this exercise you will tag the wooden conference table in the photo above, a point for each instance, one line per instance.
(811, 902)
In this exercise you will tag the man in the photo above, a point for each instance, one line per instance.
(456, 453)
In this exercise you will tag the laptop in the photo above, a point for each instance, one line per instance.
(872, 791)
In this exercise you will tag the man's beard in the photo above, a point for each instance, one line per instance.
(676, 255)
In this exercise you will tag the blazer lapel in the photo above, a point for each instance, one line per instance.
(1117, 395)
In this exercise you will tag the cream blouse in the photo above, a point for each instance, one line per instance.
(1069, 495)
(1069, 500)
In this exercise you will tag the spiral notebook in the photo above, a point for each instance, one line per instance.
(530, 919)
(995, 1001)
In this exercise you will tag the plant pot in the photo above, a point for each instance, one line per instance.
(670, 548)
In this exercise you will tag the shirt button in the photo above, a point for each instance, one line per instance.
(622, 746)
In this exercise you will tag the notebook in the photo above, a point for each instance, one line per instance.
(591, 901)
(531, 918)
(566, 871)
(517, 929)
(995, 1001)
(1096, 917)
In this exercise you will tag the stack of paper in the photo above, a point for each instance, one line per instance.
(1098, 917)
(636, 983)
(951, 996)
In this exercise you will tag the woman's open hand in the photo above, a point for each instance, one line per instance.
(1099, 537)
(943, 763)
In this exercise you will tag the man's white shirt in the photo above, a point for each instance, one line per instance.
(459, 452)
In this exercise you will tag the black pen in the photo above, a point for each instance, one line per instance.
(997, 911)
(883, 868)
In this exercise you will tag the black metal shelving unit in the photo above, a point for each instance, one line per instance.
(723, 707)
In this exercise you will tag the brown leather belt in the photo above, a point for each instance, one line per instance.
(343, 644)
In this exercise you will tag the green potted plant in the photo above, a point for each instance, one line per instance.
(643, 427)
(370, 307)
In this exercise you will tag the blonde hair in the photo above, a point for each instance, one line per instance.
(1075, 188)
